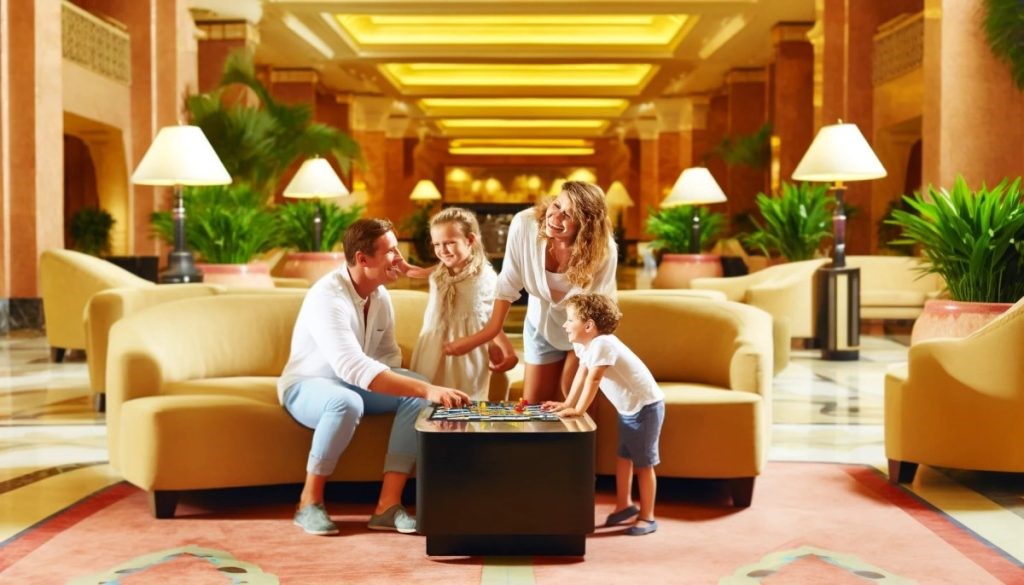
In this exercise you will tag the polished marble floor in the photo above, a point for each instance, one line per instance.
(53, 446)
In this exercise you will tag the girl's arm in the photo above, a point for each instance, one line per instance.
(590, 386)
(417, 271)
(493, 327)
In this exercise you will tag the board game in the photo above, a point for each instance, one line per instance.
(494, 411)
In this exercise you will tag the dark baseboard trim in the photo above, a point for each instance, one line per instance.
(21, 313)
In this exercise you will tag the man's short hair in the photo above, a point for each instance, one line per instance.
(598, 308)
(362, 237)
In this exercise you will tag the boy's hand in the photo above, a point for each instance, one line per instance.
(568, 413)
(553, 406)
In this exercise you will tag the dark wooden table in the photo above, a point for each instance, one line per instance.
(505, 488)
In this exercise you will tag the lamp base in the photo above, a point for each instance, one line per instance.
(838, 326)
(181, 268)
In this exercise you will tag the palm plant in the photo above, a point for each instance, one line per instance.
(1005, 35)
(750, 150)
(974, 240)
(226, 224)
(90, 230)
(296, 224)
(672, 228)
(795, 223)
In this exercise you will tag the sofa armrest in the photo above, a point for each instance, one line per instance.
(734, 287)
(134, 371)
(750, 370)
(284, 282)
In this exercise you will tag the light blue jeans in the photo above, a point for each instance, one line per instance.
(333, 409)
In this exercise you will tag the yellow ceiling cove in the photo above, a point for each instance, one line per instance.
(535, 74)
(520, 123)
(521, 150)
(373, 31)
(523, 107)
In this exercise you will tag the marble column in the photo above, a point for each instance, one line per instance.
(747, 112)
(219, 39)
(792, 90)
(649, 194)
(368, 119)
(973, 121)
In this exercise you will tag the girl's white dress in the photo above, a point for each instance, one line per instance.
(458, 306)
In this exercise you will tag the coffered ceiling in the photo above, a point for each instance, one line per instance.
(518, 70)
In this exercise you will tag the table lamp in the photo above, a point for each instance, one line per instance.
(695, 186)
(315, 180)
(617, 199)
(180, 156)
(839, 153)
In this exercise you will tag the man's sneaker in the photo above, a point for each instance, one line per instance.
(313, 519)
(394, 518)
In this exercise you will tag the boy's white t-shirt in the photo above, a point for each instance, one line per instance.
(627, 382)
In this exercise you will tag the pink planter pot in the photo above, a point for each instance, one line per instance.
(677, 270)
(311, 265)
(252, 275)
(945, 318)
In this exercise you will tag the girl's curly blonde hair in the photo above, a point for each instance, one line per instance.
(589, 211)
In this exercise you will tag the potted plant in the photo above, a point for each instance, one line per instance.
(416, 226)
(226, 226)
(257, 144)
(795, 223)
(672, 228)
(974, 240)
(295, 221)
(90, 230)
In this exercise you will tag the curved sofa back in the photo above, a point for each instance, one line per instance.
(693, 340)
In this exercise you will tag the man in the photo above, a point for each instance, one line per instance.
(343, 364)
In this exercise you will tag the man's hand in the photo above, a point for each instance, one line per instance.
(499, 360)
(447, 397)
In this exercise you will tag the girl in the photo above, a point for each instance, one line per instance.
(461, 296)
(556, 250)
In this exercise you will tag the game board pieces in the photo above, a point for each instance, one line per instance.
(494, 411)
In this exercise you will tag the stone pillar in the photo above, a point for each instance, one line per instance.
(792, 86)
(747, 112)
(368, 118)
(973, 121)
(649, 194)
(400, 183)
(33, 144)
(218, 39)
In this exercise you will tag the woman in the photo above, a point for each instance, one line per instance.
(554, 251)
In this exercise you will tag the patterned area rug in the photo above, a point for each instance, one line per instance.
(809, 523)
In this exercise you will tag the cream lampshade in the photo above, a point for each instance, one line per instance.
(695, 186)
(316, 179)
(180, 156)
(425, 190)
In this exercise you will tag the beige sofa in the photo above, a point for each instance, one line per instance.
(786, 291)
(192, 403)
(894, 287)
(959, 402)
(67, 280)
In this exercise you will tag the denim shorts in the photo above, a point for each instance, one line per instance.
(537, 349)
(638, 434)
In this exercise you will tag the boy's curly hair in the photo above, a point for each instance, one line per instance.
(598, 308)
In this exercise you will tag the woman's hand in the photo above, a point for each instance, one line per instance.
(500, 358)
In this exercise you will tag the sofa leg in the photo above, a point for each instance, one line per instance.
(901, 471)
(742, 489)
(99, 402)
(162, 503)
(57, 354)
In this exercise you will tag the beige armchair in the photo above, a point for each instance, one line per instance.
(67, 281)
(894, 287)
(959, 403)
(786, 291)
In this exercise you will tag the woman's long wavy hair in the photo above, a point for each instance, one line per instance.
(589, 211)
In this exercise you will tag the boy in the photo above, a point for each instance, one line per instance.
(606, 363)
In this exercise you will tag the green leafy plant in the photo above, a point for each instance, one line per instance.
(795, 222)
(672, 228)
(889, 233)
(974, 240)
(750, 150)
(416, 226)
(296, 224)
(257, 144)
(227, 224)
(90, 230)
(1004, 28)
